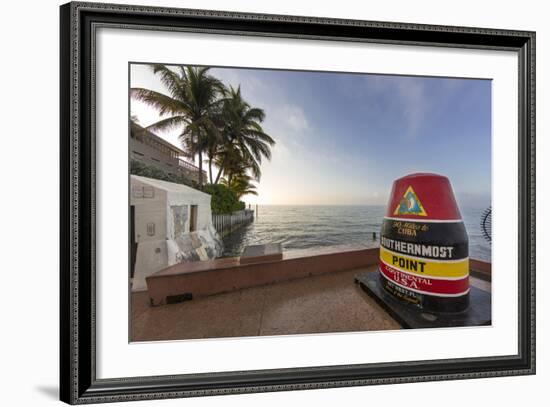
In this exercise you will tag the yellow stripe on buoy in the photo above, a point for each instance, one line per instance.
(425, 267)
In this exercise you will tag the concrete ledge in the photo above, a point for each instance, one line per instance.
(480, 269)
(185, 281)
(262, 253)
(198, 279)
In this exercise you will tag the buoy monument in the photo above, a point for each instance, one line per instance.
(423, 270)
(424, 245)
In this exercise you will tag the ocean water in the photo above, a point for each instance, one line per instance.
(303, 227)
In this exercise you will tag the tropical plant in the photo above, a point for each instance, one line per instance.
(195, 100)
(244, 141)
(223, 200)
(241, 184)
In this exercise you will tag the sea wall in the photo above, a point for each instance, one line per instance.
(224, 224)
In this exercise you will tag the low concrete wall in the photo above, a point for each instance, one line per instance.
(198, 279)
(201, 278)
(480, 269)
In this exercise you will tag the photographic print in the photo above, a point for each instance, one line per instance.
(255, 202)
(280, 202)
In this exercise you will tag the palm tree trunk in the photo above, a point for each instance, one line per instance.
(210, 167)
(200, 169)
(220, 171)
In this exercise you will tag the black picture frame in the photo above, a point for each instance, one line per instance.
(78, 382)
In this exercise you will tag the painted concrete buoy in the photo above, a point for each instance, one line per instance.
(424, 245)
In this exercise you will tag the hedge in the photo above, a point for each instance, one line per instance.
(223, 200)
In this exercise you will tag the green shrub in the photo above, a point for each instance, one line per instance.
(223, 200)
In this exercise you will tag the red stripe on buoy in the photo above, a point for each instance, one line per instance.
(425, 285)
(423, 196)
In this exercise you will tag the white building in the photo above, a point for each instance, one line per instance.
(169, 223)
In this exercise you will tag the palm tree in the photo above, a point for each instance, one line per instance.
(244, 141)
(213, 146)
(240, 184)
(194, 100)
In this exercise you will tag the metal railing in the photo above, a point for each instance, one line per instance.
(192, 168)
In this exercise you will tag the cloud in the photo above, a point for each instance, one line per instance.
(413, 100)
(251, 86)
(404, 97)
(260, 90)
(292, 117)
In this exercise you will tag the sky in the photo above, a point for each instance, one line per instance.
(343, 138)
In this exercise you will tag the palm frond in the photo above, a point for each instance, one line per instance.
(169, 78)
(163, 103)
(169, 123)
